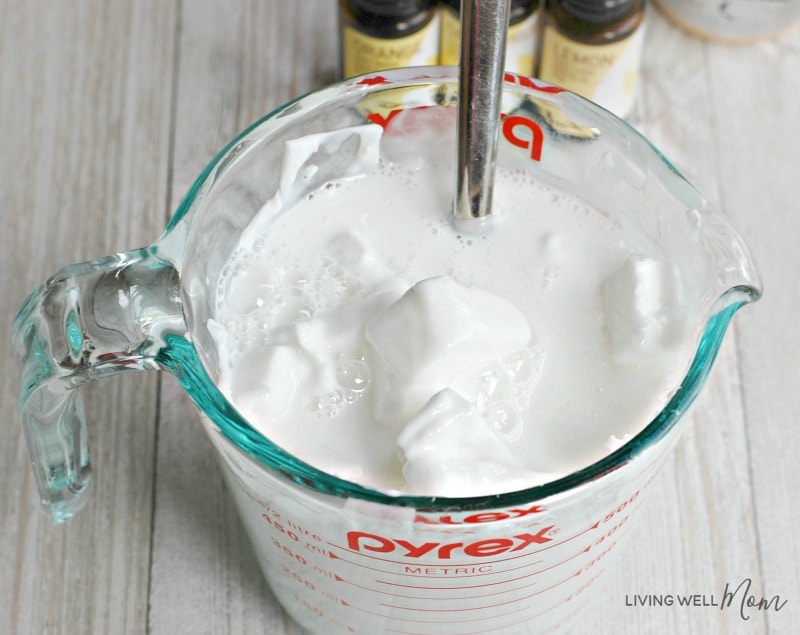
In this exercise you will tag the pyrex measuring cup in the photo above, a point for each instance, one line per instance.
(340, 557)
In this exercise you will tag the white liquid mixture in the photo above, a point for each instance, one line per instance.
(364, 335)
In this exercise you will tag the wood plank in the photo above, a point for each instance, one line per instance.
(85, 128)
(756, 95)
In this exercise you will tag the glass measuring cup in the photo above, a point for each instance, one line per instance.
(339, 556)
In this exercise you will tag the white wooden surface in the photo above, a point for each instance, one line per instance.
(108, 110)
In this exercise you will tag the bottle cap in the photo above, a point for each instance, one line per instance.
(390, 8)
(598, 11)
(521, 9)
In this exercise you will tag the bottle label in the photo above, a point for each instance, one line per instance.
(451, 37)
(521, 45)
(366, 54)
(605, 73)
(520, 42)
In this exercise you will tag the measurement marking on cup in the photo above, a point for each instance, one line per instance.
(566, 540)
(486, 584)
(459, 571)
(421, 575)
(475, 612)
(440, 609)
(493, 617)
(459, 565)
(453, 620)
(434, 598)
(431, 561)
(489, 629)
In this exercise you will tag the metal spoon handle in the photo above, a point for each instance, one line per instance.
(483, 43)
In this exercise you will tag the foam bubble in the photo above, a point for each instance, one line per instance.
(505, 419)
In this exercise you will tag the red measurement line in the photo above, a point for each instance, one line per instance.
(566, 540)
(363, 566)
(478, 586)
(469, 620)
(489, 629)
(433, 598)
(480, 608)
(453, 588)
(571, 616)
(494, 629)
(558, 564)
(405, 562)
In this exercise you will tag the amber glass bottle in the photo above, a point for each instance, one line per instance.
(381, 34)
(593, 47)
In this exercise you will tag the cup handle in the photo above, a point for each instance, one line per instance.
(88, 321)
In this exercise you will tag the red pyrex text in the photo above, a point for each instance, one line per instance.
(362, 541)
